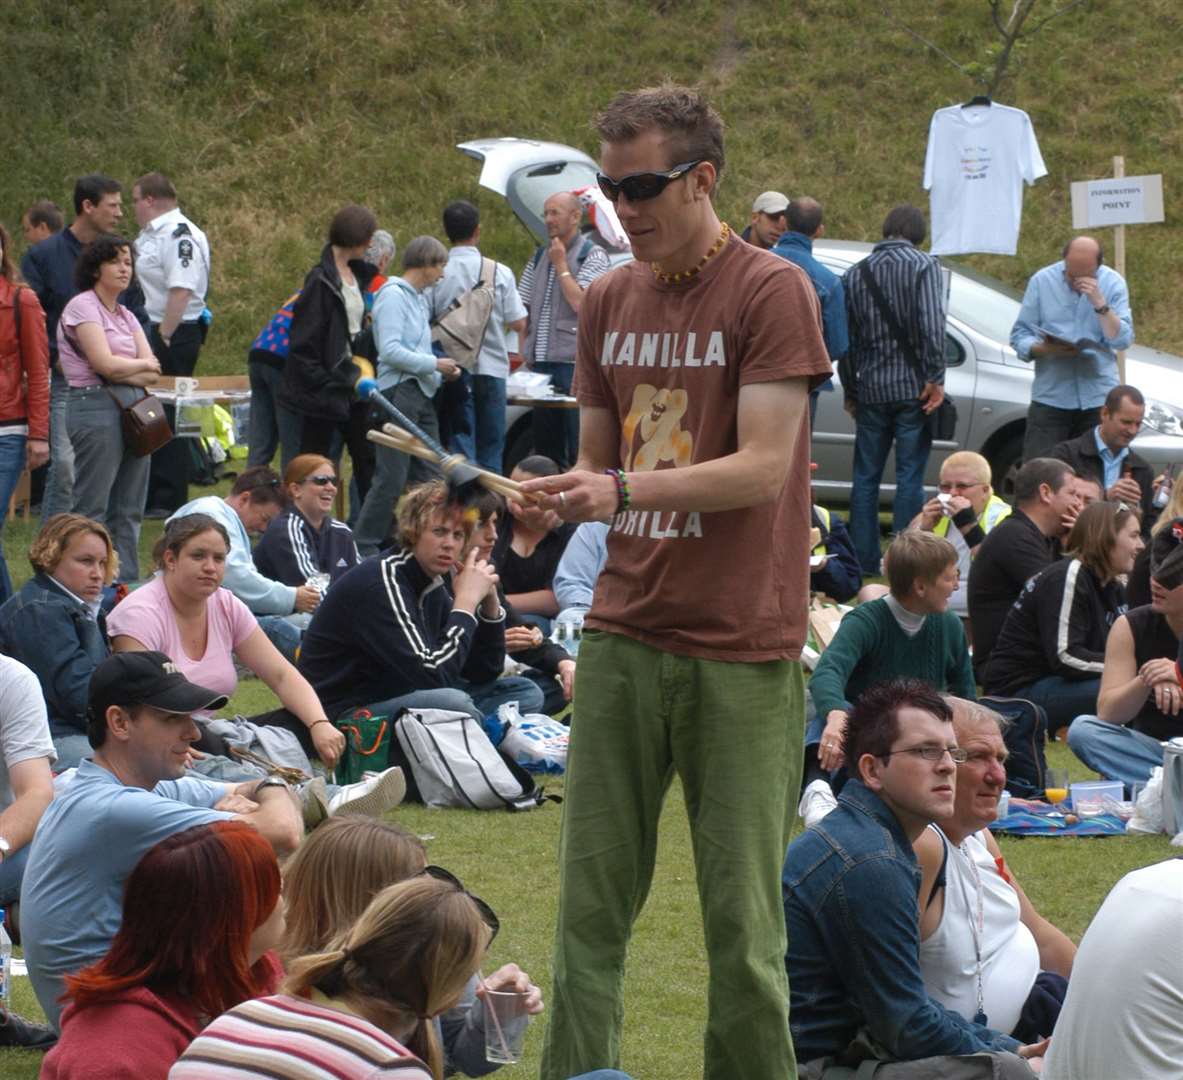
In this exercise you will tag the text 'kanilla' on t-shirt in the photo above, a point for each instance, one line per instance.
(669, 361)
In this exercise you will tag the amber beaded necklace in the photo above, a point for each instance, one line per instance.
(679, 276)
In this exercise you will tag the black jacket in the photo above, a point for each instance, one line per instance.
(1014, 551)
(842, 576)
(1058, 626)
(1082, 454)
(319, 374)
(291, 550)
(386, 629)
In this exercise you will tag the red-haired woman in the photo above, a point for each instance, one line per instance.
(200, 912)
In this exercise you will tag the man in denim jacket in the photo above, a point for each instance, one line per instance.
(850, 888)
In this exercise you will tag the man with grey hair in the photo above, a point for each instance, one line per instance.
(985, 952)
(552, 289)
(408, 374)
(381, 252)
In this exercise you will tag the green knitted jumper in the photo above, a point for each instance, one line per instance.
(870, 647)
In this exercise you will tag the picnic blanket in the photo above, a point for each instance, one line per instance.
(1032, 817)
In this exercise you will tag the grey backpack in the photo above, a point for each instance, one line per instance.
(460, 328)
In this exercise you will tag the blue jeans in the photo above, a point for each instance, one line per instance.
(12, 871)
(1062, 699)
(283, 633)
(476, 699)
(905, 424)
(556, 431)
(110, 483)
(12, 464)
(484, 408)
(59, 482)
(263, 439)
(1114, 751)
(71, 749)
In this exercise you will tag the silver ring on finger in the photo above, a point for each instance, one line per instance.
(563, 498)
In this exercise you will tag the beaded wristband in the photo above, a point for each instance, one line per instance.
(623, 496)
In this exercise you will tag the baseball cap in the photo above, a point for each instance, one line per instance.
(147, 678)
(770, 202)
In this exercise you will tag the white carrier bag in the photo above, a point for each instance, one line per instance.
(454, 764)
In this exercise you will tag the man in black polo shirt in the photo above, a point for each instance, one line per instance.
(1018, 547)
(1140, 702)
(1103, 454)
(48, 268)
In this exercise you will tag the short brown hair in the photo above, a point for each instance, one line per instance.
(1095, 532)
(178, 531)
(693, 130)
(156, 185)
(916, 554)
(55, 536)
(417, 507)
(352, 226)
(262, 482)
(47, 213)
(874, 723)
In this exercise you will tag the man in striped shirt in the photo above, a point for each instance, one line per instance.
(881, 376)
(552, 287)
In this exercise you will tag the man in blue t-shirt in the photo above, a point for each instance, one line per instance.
(131, 795)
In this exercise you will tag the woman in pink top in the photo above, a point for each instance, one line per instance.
(107, 361)
(200, 911)
(186, 614)
(363, 1006)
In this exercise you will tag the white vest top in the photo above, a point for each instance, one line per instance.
(1010, 957)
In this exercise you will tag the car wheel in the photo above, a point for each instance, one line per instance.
(520, 445)
(1004, 465)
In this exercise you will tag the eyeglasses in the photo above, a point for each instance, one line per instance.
(637, 187)
(488, 915)
(933, 753)
(959, 486)
(322, 481)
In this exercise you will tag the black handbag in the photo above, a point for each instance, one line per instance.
(942, 421)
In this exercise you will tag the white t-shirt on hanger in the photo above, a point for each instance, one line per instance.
(978, 158)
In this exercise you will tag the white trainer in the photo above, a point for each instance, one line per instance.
(370, 797)
(817, 802)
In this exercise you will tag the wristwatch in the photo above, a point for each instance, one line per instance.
(1102, 310)
(272, 781)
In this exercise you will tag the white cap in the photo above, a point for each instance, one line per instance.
(770, 202)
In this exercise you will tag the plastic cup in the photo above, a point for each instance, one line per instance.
(320, 582)
(505, 1026)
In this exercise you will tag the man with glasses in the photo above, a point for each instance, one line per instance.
(1103, 454)
(694, 368)
(851, 911)
(255, 498)
(552, 288)
(984, 949)
(967, 501)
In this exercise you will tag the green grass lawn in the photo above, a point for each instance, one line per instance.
(509, 859)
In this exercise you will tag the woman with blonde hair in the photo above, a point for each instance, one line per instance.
(304, 540)
(1051, 649)
(362, 1006)
(331, 879)
(55, 625)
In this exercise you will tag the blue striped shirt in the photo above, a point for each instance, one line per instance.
(876, 370)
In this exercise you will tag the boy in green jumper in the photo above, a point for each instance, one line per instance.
(908, 632)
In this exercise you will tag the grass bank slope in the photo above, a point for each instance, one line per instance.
(269, 114)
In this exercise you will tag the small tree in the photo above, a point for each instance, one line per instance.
(1013, 30)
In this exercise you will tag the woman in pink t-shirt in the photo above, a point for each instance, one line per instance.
(107, 361)
(186, 614)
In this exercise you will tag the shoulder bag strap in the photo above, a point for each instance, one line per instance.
(16, 319)
(893, 324)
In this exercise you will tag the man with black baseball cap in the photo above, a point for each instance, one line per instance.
(1140, 703)
(129, 796)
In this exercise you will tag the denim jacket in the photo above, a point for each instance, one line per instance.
(61, 642)
(851, 911)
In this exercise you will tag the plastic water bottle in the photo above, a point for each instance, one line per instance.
(5, 969)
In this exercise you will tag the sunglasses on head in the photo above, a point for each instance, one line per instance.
(637, 187)
(488, 915)
(321, 481)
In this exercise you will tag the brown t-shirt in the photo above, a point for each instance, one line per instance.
(668, 362)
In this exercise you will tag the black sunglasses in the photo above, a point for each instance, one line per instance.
(488, 915)
(637, 187)
(322, 481)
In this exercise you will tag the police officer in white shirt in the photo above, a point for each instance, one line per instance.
(172, 267)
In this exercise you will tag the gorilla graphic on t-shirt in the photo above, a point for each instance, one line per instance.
(658, 414)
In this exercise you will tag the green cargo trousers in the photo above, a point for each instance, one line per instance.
(733, 732)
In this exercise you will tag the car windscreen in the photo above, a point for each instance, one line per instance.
(530, 187)
(984, 304)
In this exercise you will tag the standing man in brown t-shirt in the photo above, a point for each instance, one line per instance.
(693, 371)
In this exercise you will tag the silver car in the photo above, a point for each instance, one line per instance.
(990, 384)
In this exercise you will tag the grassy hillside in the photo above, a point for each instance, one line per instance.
(269, 114)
